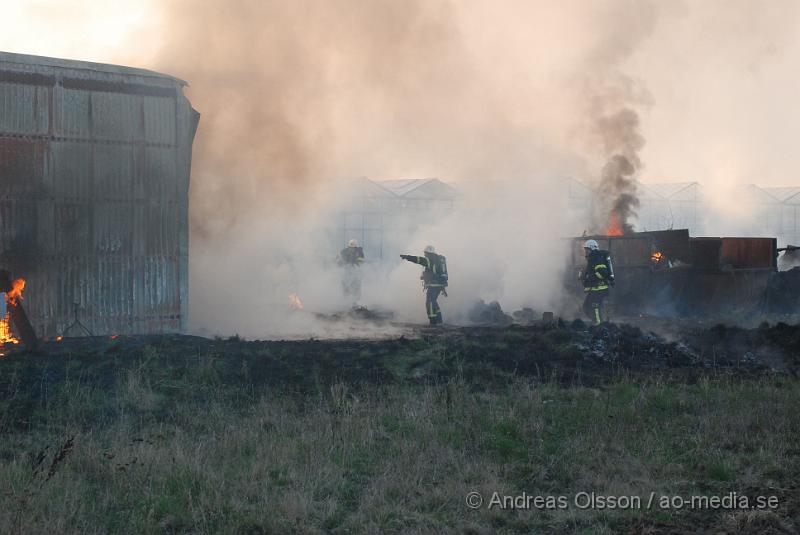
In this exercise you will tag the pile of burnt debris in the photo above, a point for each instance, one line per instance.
(359, 313)
(766, 348)
(598, 350)
(566, 352)
(482, 313)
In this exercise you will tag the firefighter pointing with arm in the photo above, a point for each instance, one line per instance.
(597, 279)
(434, 280)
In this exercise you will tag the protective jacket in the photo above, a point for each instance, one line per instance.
(599, 274)
(351, 256)
(435, 273)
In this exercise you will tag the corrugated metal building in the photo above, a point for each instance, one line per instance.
(94, 179)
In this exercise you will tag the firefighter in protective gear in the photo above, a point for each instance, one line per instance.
(597, 279)
(351, 258)
(434, 280)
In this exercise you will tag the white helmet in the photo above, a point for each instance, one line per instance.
(591, 245)
(352, 243)
(430, 249)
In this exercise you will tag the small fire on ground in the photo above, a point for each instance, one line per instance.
(6, 336)
(295, 302)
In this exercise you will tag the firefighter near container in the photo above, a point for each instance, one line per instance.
(597, 278)
(434, 280)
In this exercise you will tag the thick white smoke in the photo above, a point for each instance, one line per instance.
(295, 94)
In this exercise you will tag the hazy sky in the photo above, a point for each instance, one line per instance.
(75, 29)
(723, 75)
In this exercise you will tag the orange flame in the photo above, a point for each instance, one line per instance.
(657, 257)
(12, 297)
(614, 226)
(295, 302)
(6, 336)
(59, 338)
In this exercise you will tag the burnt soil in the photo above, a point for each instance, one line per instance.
(487, 357)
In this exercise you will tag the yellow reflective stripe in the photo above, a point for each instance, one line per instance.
(598, 266)
(434, 285)
(596, 288)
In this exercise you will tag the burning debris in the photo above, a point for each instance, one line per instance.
(294, 302)
(617, 188)
(12, 299)
(14, 322)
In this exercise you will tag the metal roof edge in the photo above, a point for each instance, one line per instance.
(686, 186)
(415, 184)
(762, 190)
(29, 59)
(380, 186)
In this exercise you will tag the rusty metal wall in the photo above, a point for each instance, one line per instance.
(749, 253)
(714, 275)
(634, 250)
(94, 178)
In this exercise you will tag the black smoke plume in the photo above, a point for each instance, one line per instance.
(617, 189)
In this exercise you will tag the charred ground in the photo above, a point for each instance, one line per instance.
(188, 434)
(566, 353)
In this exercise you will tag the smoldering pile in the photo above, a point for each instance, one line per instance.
(359, 313)
(767, 348)
(492, 314)
(483, 313)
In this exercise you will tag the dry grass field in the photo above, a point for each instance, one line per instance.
(185, 435)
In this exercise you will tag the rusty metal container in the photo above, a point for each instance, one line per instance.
(749, 253)
(94, 180)
(700, 275)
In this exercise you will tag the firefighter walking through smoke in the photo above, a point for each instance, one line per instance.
(597, 279)
(434, 280)
(351, 258)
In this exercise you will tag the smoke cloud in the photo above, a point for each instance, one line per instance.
(615, 194)
(614, 100)
(297, 97)
(502, 100)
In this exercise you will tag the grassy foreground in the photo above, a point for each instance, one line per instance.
(154, 445)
